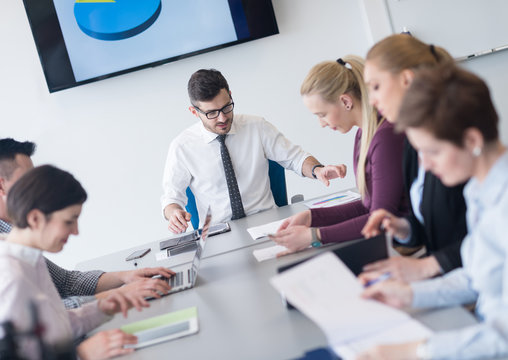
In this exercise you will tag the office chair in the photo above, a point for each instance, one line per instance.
(277, 176)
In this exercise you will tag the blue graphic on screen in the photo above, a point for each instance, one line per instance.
(162, 29)
(115, 19)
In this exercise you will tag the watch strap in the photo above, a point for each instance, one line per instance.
(314, 168)
(315, 242)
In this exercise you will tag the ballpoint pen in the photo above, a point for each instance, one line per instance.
(382, 277)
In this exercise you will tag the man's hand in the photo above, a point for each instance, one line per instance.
(145, 288)
(177, 218)
(105, 345)
(405, 268)
(329, 172)
(142, 274)
(396, 226)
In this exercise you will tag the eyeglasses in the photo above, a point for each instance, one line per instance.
(213, 114)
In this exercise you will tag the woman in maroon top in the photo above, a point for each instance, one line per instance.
(336, 93)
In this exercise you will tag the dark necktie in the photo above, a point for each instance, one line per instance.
(234, 193)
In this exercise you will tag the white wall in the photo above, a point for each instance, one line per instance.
(113, 135)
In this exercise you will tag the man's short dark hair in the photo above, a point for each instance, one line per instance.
(9, 148)
(205, 84)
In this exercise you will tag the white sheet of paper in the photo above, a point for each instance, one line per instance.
(333, 200)
(410, 330)
(262, 231)
(326, 291)
(268, 253)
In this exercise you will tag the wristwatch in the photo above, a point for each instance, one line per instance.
(315, 241)
(314, 168)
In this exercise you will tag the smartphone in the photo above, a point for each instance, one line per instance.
(218, 229)
(137, 254)
(193, 236)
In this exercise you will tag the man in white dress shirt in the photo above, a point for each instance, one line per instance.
(224, 158)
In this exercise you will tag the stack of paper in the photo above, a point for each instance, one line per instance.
(326, 291)
(333, 200)
(268, 252)
(262, 231)
(164, 327)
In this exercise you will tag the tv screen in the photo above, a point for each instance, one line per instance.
(81, 41)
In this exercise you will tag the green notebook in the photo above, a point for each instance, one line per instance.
(164, 327)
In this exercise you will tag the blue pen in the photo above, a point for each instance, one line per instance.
(380, 278)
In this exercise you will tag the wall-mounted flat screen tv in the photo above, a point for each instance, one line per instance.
(81, 41)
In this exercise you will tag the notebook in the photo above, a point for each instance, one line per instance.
(165, 327)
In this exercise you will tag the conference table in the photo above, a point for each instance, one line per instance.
(241, 316)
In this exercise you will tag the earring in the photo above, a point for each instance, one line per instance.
(348, 107)
(477, 151)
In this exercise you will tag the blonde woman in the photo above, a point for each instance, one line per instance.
(335, 92)
(437, 217)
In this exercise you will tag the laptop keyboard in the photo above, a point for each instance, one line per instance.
(178, 279)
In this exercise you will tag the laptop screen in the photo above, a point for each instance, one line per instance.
(201, 246)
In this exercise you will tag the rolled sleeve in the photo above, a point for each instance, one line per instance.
(176, 178)
(278, 148)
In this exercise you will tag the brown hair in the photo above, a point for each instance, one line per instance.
(330, 80)
(45, 188)
(446, 100)
(401, 51)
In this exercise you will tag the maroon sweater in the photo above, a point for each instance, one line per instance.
(384, 183)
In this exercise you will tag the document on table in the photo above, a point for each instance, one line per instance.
(333, 199)
(262, 231)
(268, 252)
(327, 292)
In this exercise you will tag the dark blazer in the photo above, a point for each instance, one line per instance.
(444, 213)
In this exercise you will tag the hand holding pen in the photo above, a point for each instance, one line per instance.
(382, 288)
(380, 278)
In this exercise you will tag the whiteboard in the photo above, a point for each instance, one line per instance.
(463, 27)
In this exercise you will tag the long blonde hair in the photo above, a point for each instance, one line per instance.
(401, 51)
(330, 80)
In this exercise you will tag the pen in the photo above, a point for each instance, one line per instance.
(383, 277)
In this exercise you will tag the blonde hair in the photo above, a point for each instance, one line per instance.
(399, 52)
(330, 80)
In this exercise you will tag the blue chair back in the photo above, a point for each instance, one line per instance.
(192, 208)
(277, 177)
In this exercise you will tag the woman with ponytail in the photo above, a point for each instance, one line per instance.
(336, 93)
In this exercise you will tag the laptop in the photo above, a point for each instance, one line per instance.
(186, 275)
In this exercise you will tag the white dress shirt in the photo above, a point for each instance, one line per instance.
(25, 278)
(483, 277)
(194, 161)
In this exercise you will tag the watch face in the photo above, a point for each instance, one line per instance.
(316, 244)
